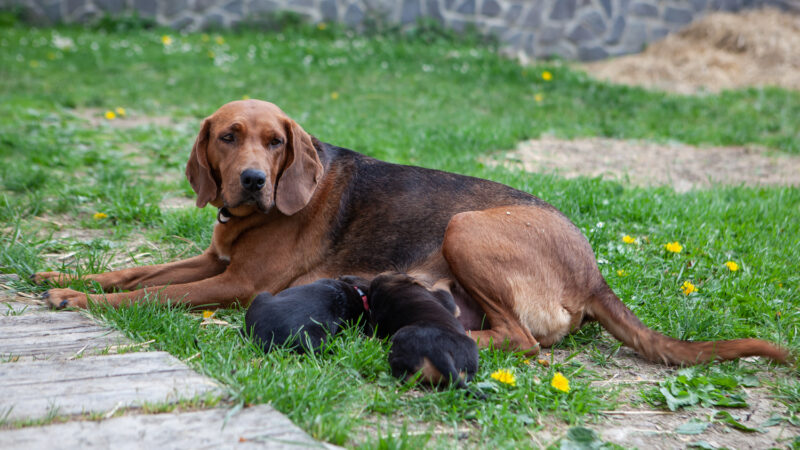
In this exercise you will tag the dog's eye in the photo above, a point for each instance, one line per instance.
(227, 137)
(275, 142)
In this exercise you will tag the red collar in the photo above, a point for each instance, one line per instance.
(363, 298)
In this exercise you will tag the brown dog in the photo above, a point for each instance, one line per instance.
(295, 209)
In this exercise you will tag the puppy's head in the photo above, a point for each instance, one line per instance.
(250, 156)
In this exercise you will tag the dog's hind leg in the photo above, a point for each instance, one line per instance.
(524, 266)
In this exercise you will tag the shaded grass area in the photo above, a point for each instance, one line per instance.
(408, 99)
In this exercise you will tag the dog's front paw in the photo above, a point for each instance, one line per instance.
(55, 278)
(65, 298)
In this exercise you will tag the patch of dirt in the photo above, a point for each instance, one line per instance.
(634, 424)
(720, 51)
(96, 117)
(641, 163)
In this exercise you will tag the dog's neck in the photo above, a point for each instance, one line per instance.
(363, 296)
(223, 215)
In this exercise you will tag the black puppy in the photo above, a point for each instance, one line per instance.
(426, 336)
(302, 317)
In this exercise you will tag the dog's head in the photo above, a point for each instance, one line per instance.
(249, 155)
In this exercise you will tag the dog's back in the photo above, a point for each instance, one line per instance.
(426, 336)
(302, 317)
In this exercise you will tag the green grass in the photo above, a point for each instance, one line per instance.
(417, 99)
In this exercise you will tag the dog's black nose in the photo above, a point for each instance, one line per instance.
(253, 180)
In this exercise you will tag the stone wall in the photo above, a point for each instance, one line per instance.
(573, 29)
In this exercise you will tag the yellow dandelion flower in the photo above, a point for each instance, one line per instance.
(211, 54)
(219, 40)
(34, 64)
(732, 266)
(120, 111)
(526, 361)
(245, 97)
(547, 76)
(110, 115)
(505, 376)
(674, 247)
(560, 382)
(538, 98)
(205, 38)
(322, 26)
(99, 215)
(166, 40)
(208, 314)
(621, 273)
(628, 240)
(687, 287)
(334, 95)
(51, 56)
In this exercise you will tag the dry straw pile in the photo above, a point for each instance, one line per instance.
(720, 51)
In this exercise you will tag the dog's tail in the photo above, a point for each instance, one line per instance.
(614, 316)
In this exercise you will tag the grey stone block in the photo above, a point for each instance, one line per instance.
(146, 8)
(448, 4)
(563, 10)
(236, 7)
(354, 15)
(579, 34)
(52, 12)
(677, 16)
(726, 5)
(202, 5)
(434, 11)
(592, 53)
(183, 23)
(491, 8)
(607, 7)
(698, 5)
(110, 6)
(260, 7)
(410, 11)
(458, 24)
(512, 39)
(657, 33)
(214, 20)
(72, 6)
(642, 9)
(467, 7)
(634, 37)
(594, 22)
(513, 14)
(617, 28)
(550, 34)
(328, 9)
(530, 44)
(174, 7)
(85, 14)
(533, 19)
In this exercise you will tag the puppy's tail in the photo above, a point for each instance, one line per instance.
(614, 316)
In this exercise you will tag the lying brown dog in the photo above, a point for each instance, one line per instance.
(295, 209)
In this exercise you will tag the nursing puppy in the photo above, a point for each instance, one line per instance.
(303, 317)
(426, 336)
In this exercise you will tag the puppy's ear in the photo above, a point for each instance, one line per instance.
(302, 172)
(198, 171)
(446, 299)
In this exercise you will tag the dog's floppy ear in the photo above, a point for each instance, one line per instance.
(198, 171)
(302, 172)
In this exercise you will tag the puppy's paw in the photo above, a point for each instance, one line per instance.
(65, 298)
(55, 278)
